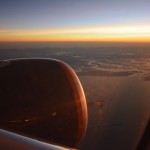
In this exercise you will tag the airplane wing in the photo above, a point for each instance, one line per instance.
(12, 141)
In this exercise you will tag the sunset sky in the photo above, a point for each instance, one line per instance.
(75, 20)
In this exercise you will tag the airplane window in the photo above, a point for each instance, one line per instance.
(106, 42)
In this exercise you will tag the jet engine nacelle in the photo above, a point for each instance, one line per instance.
(42, 99)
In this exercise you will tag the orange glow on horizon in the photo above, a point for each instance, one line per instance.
(81, 34)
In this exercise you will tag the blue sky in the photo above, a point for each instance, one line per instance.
(53, 13)
(62, 20)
